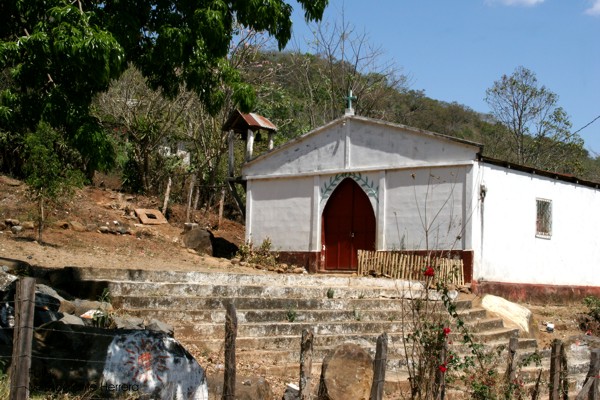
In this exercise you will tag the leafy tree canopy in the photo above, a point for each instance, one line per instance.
(55, 55)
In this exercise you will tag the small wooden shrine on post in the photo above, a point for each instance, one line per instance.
(247, 126)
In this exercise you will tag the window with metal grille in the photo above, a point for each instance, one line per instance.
(543, 223)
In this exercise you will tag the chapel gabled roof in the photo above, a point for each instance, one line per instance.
(379, 122)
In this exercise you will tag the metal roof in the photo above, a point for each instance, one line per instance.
(239, 121)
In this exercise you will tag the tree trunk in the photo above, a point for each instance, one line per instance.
(41, 217)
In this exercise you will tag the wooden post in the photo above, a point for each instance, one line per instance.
(555, 369)
(189, 199)
(306, 349)
(231, 162)
(249, 144)
(230, 336)
(167, 194)
(379, 365)
(513, 345)
(270, 140)
(535, 393)
(221, 207)
(22, 339)
(590, 386)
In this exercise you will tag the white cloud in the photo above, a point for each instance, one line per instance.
(594, 9)
(524, 3)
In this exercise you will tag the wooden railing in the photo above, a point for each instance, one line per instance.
(410, 266)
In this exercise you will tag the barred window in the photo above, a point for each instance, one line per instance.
(543, 223)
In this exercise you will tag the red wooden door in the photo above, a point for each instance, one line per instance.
(348, 225)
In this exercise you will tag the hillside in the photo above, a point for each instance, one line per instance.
(146, 246)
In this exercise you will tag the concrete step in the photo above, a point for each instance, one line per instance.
(253, 303)
(242, 279)
(218, 290)
(365, 339)
(355, 324)
(195, 317)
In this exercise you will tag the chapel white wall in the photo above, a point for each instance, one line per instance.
(280, 210)
(504, 230)
(426, 208)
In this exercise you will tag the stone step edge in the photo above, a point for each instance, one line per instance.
(365, 336)
(201, 325)
(121, 298)
(88, 274)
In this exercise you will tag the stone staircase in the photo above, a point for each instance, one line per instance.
(273, 309)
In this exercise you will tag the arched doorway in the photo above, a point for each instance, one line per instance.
(348, 225)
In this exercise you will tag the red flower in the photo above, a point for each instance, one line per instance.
(447, 331)
(442, 368)
(429, 271)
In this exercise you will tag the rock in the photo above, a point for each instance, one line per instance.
(71, 320)
(51, 296)
(28, 225)
(128, 322)
(298, 270)
(235, 261)
(61, 224)
(246, 388)
(156, 325)
(292, 392)
(3, 226)
(104, 229)
(7, 316)
(122, 230)
(82, 306)
(466, 288)
(188, 226)
(16, 229)
(148, 364)
(12, 222)
(199, 240)
(6, 280)
(347, 373)
(78, 226)
(253, 388)
(510, 312)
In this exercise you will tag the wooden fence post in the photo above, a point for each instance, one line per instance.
(306, 349)
(513, 345)
(231, 324)
(379, 367)
(590, 385)
(555, 369)
(22, 339)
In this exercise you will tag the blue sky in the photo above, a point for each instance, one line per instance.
(455, 50)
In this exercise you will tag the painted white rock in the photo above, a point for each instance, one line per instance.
(153, 363)
(509, 312)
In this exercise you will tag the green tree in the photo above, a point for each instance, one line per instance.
(48, 175)
(56, 55)
(539, 130)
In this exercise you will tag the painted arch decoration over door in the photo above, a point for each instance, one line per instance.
(348, 226)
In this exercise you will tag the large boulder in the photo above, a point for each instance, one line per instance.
(511, 313)
(115, 362)
(199, 240)
(347, 373)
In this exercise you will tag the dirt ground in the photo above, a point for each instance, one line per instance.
(156, 246)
